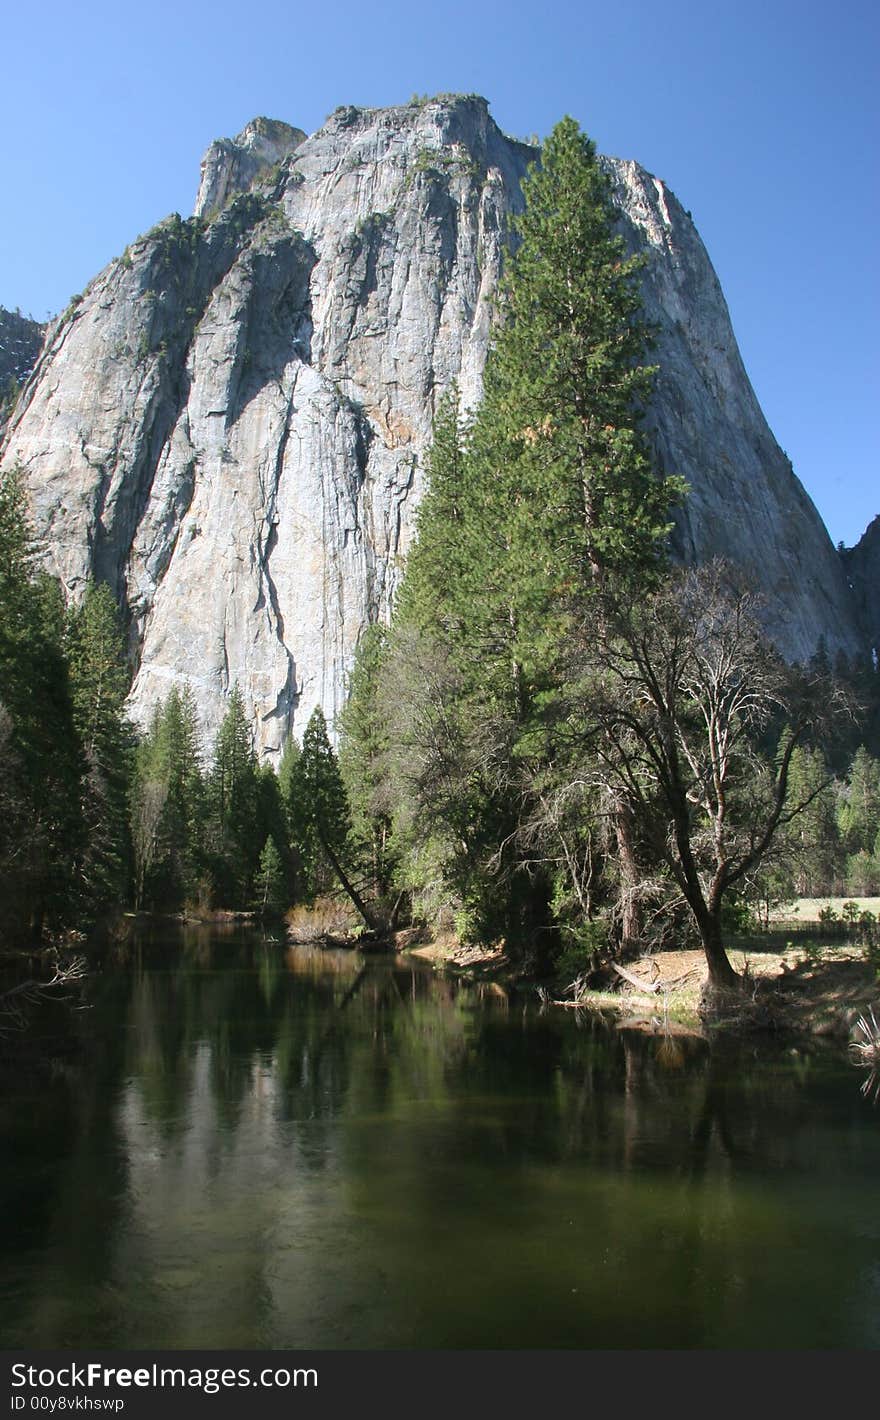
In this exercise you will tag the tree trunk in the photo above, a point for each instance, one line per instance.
(369, 917)
(630, 907)
(721, 973)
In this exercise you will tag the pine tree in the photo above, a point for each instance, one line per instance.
(233, 797)
(294, 822)
(41, 831)
(811, 840)
(859, 809)
(169, 809)
(364, 761)
(323, 820)
(99, 684)
(565, 493)
(322, 807)
(549, 498)
(435, 589)
(270, 882)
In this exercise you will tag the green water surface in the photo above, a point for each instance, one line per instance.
(241, 1145)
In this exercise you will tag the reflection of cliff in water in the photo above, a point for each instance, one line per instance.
(260, 1146)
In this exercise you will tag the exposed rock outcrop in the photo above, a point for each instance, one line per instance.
(231, 166)
(21, 339)
(862, 564)
(229, 426)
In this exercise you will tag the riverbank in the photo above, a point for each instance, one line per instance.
(820, 992)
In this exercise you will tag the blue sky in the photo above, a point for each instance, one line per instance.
(762, 117)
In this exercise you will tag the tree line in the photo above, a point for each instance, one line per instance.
(94, 817)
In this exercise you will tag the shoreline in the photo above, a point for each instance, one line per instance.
(819, 994)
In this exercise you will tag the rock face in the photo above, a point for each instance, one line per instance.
(862, 564)
(229, 426)
(20, 342)
(232, 165)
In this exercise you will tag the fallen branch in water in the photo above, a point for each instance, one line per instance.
(32, 991)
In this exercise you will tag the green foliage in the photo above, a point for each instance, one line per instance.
(737, 916)
(436, 590)
(565, 389)
(549, 492)
(271, 895)
(440, 161)
(99, 681)
(586, 946)
(365, 762)
(169, 810)
(317, 808)
(863, 873)
(858, 814)
(41, 764)
(233, 806)
(811, 842)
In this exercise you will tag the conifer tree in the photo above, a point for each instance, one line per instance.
(563, 494)
(811, 840)
(436, 588)
(233, 796)
(169, 807)
(99, 684)
(322, 807)
(550, 497)
(42, 767)
(365, 762)
(270, 882)
(294, 823)
(323, 820)
(859, 809)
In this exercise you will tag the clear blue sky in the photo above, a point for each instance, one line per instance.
(761, 116)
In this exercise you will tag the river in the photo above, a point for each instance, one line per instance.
(237, 1144)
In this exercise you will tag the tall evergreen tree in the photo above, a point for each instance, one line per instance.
(322, 820)
(435, 589)
(99, 684)
(811, 840)
(234, 806)
(322, 816)
(858, 813)
(169, 810)
(271, 895)
(41, 831)
(551, 495)
(364, 761)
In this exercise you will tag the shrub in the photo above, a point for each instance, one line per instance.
(587, 945)
(327, 917)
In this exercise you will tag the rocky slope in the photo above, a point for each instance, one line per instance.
(229, 425)
(862, 564)
(20, 342)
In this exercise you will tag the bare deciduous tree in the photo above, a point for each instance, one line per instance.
(668, 712)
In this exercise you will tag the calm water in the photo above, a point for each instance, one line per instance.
(250, 1147)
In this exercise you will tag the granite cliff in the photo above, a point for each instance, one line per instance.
(228, 425)
(21, 339)
(862, 564)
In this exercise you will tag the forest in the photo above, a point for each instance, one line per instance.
(563, 741)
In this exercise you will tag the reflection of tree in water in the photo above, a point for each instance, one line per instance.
(636, 1100)
(57, 1119)
(253, 1130)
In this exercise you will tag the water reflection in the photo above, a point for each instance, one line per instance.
(260, 1147)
